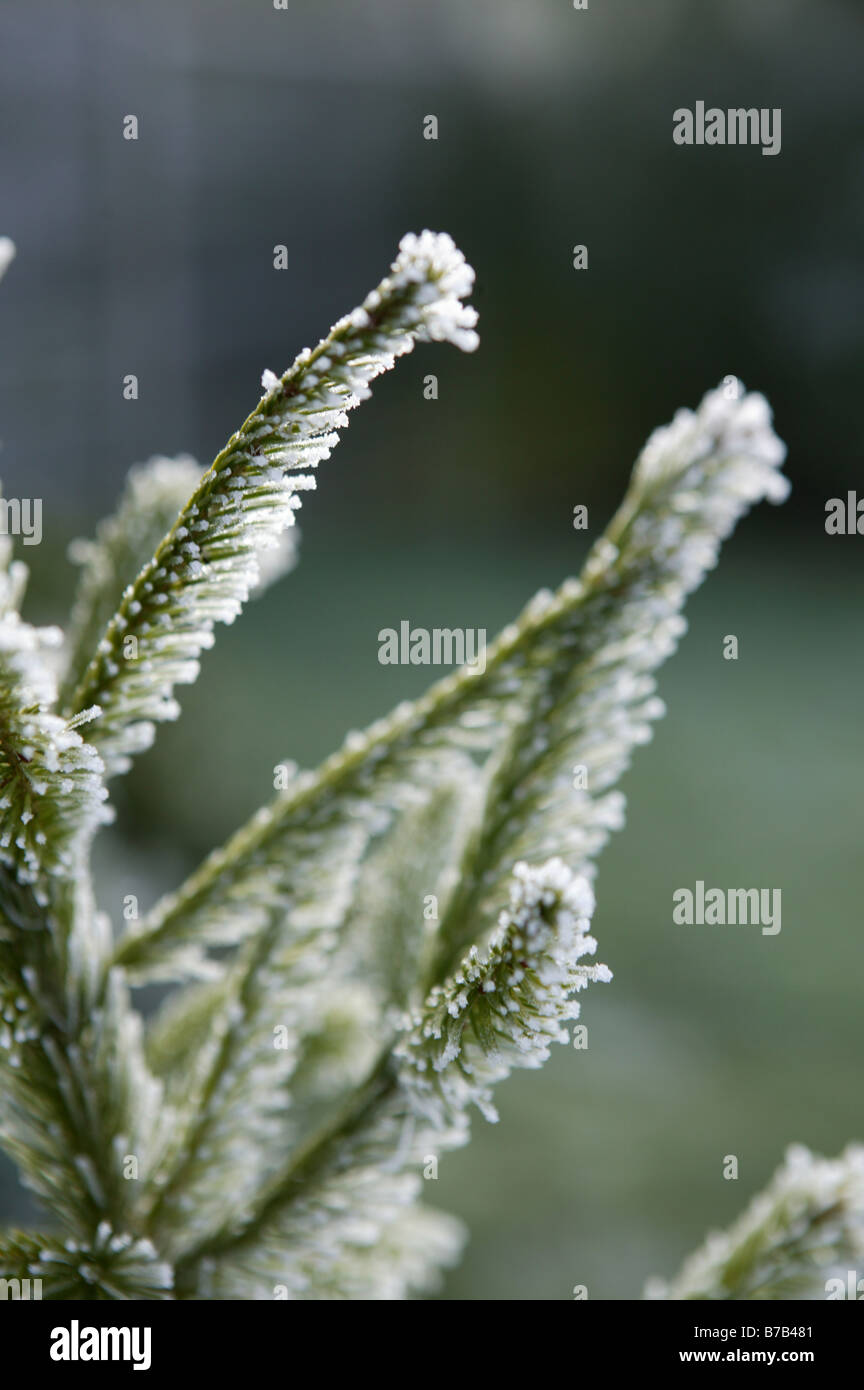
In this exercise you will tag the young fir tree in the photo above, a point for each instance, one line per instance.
(264, 1135)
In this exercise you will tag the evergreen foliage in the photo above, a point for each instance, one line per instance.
(265, 1134)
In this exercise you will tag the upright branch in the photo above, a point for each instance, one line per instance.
(204, 568)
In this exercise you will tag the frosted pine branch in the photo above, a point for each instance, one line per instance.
(570, 683)
(806, 1228)
(75, 1093)
(302, 855)
(301, 980)
(569, 679)
(587, 655)
(112, 1266)
(352, 1184)
(51, 793)
(233, 1099)
(399, 1250)
(203, 570)
(506, 1003)
(155, 493)
(279, 1110)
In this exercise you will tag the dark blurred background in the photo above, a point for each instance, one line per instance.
(304, 127)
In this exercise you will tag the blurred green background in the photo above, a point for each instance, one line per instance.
(304, 127)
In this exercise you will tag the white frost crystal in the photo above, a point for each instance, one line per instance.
(715, 462)
(435, 270)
